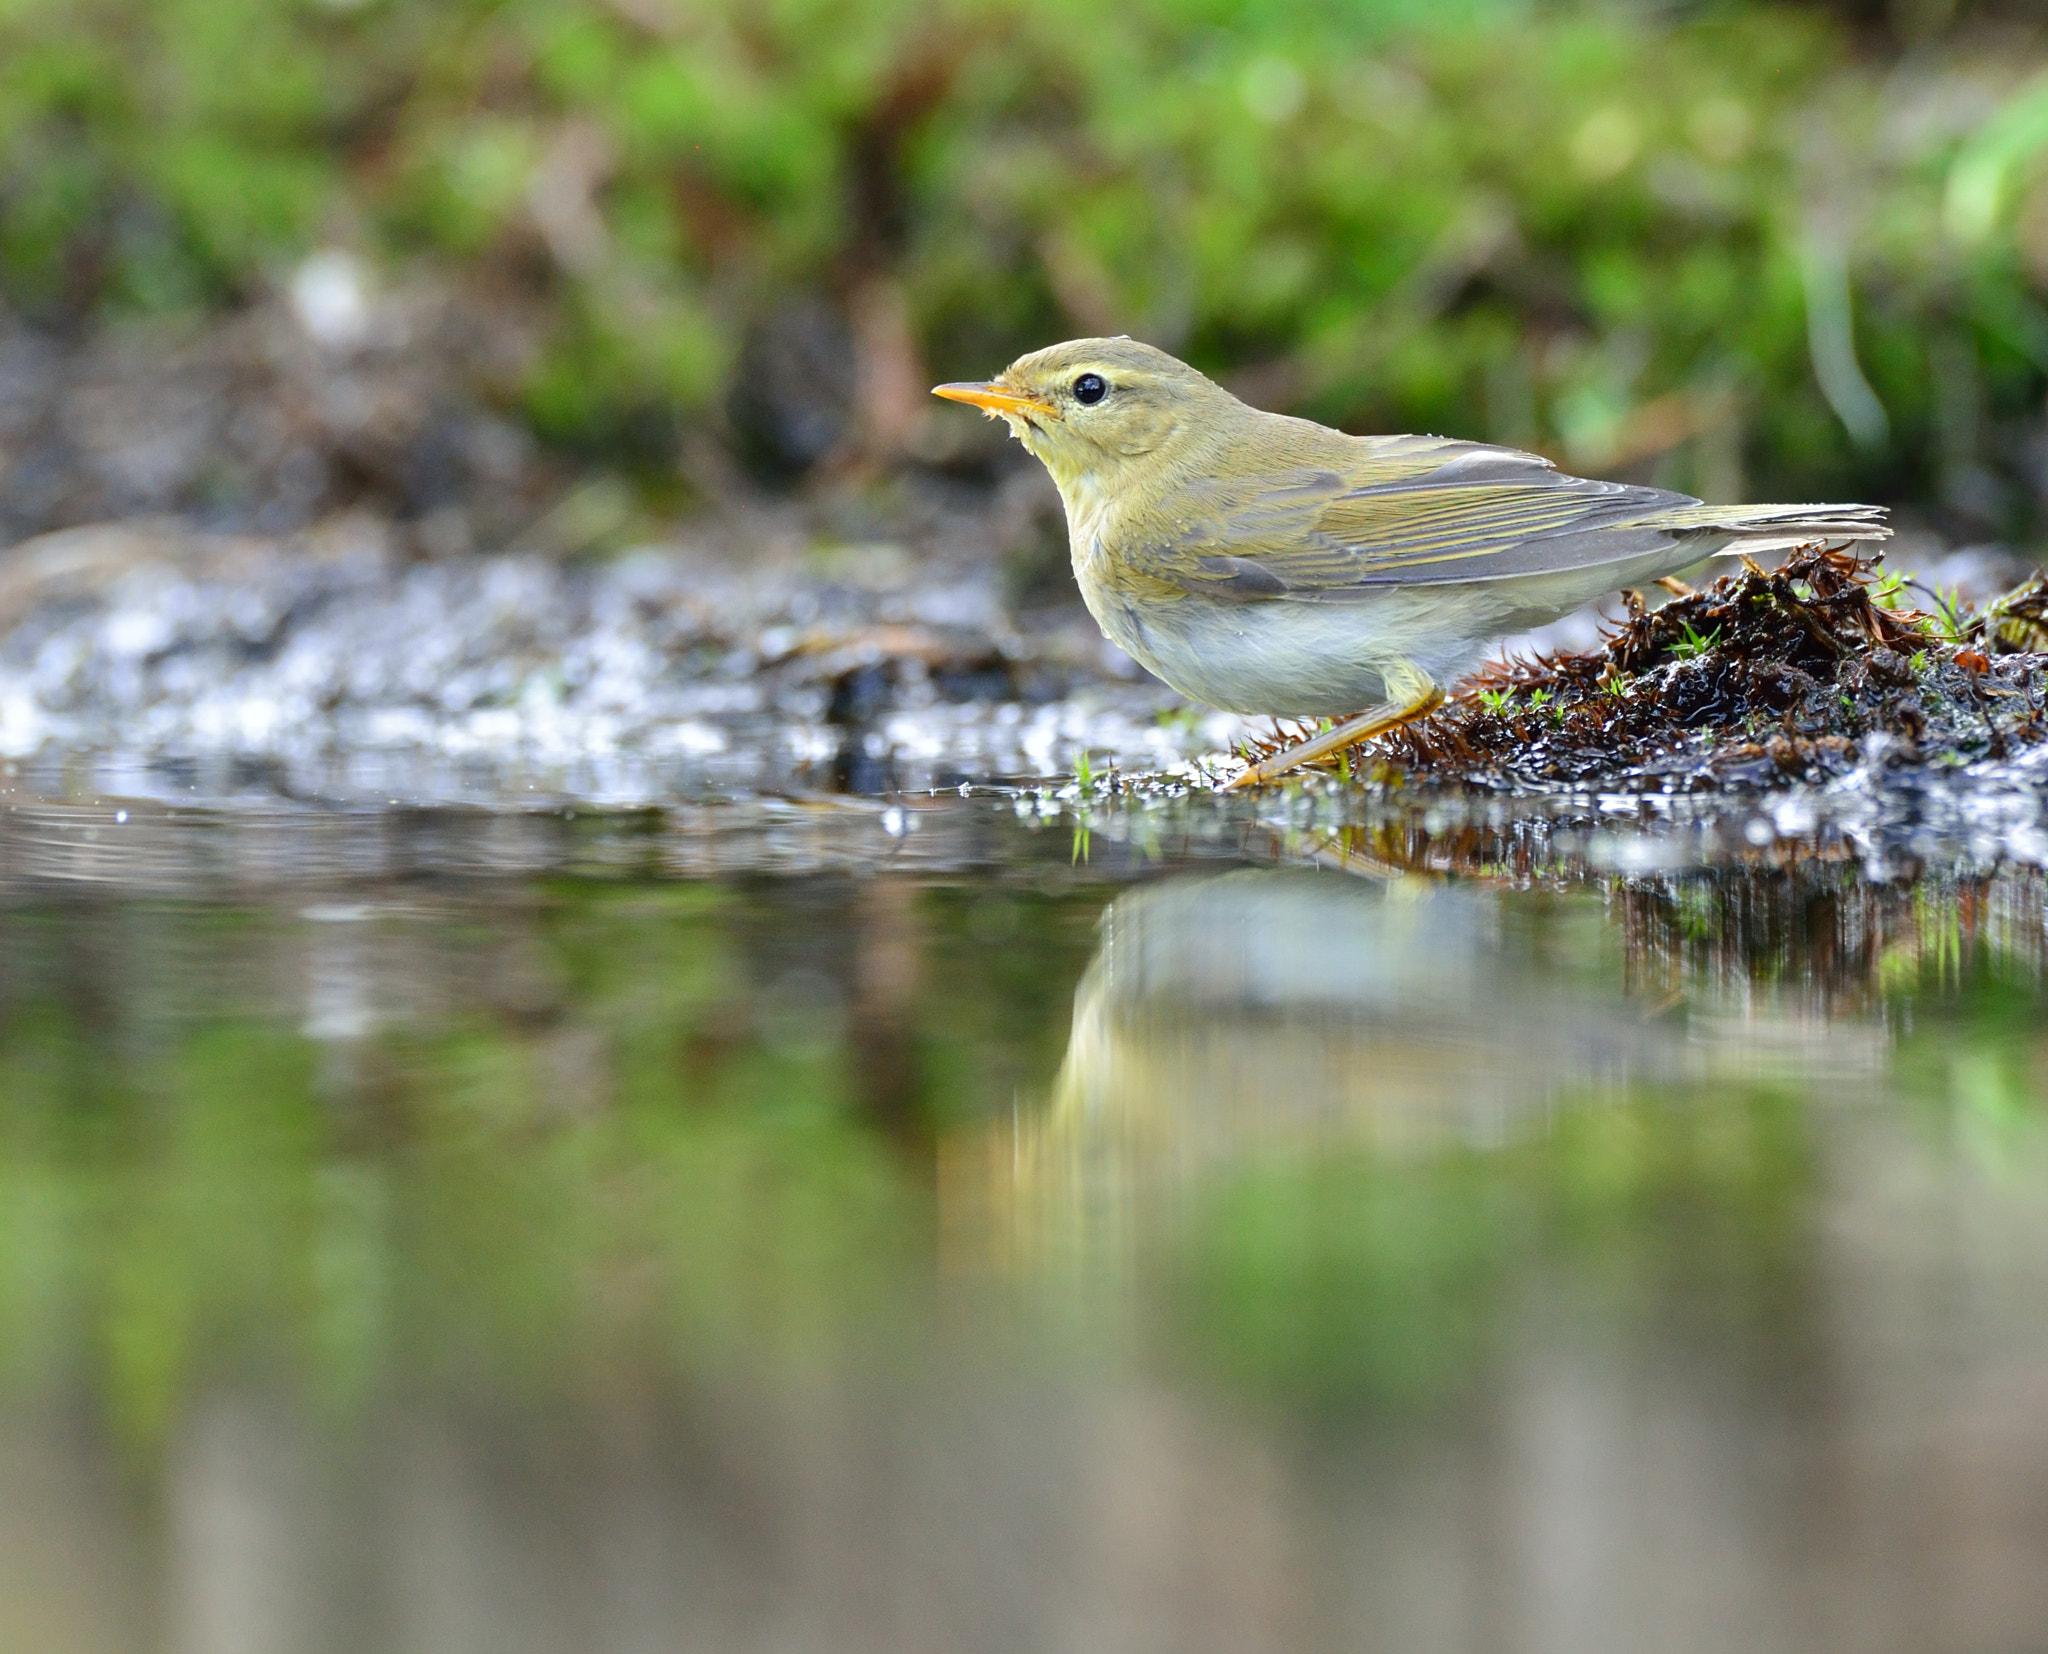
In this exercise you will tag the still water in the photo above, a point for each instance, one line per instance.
(812, 1229)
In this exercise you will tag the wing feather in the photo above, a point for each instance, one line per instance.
(1405, 511)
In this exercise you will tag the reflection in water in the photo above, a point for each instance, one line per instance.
(1241, 1260)
(1405, 1013)
(1597, 1251)
(1228, 1019)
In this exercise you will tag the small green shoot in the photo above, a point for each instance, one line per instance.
(1496, 701)
(1694, 643)
(1919, 660)
(1084, 774)
(1889, 592)
(1948, 621)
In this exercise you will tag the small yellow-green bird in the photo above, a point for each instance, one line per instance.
(1270, 565)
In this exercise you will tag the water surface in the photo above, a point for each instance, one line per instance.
(959, 1224)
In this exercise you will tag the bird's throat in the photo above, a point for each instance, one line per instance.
(1089, 506)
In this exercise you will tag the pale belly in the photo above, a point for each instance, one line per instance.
(1290, 659)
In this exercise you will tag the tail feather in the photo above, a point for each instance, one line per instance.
(1756, 526)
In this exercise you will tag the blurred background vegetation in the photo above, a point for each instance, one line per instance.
(1742, 248)
(530, 1137)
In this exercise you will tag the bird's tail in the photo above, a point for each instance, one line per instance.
(1763, 527)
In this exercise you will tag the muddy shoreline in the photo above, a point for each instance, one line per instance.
(335, 669)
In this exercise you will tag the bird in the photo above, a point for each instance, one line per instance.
(1264, 564)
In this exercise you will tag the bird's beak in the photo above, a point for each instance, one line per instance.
(994, 398)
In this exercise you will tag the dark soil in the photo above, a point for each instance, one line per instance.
(1796, 673)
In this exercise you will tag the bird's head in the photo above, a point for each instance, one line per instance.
(1092, 409)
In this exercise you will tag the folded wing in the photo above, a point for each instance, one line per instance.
(1418, 511)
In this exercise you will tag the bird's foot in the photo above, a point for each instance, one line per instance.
(1347, 734)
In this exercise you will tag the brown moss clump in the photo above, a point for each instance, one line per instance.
(1765, 676)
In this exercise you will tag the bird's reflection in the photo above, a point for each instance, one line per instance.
(1254, 1008)
(1257, 1002)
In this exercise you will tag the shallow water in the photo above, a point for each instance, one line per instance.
(987, 1226)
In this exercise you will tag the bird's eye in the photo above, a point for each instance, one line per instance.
(1090, 389)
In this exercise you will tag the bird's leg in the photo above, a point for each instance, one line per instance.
(1414, 696)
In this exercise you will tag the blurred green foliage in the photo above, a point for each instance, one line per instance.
(1366, 1278)
(1728, 245)
(601, 1129)
(657, 1156)
(595, 1130)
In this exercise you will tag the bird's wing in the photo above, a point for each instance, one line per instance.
(1406, 511)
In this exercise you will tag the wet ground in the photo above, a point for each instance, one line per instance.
(1010, 1222)
(331, 667)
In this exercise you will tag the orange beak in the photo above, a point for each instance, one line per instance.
(992, 398)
